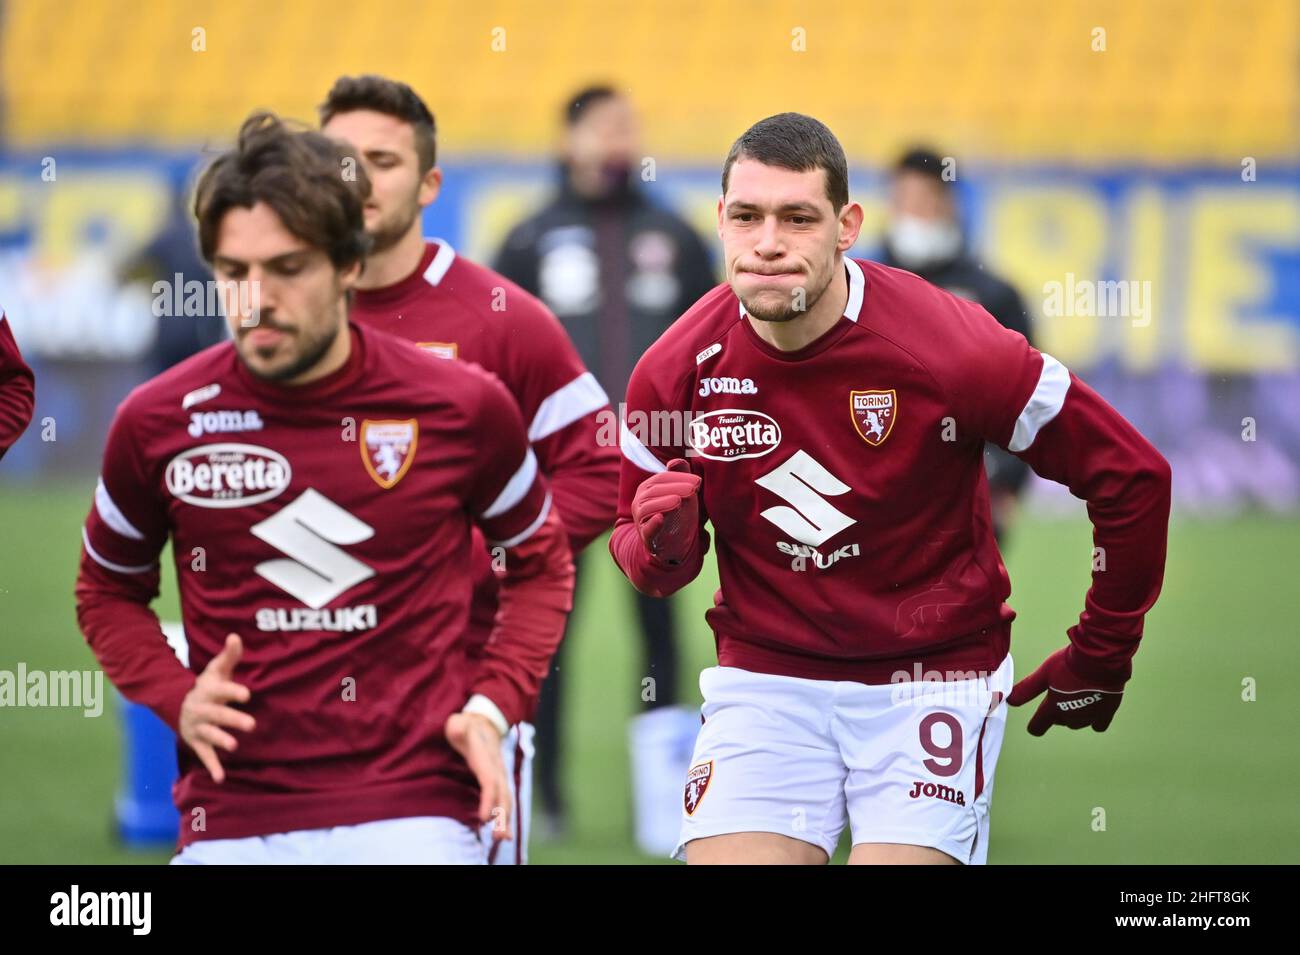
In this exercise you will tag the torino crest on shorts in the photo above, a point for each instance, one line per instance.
(697, 784)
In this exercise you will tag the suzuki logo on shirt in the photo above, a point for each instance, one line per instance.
(307, 530)
(727, 386)
(801, 481)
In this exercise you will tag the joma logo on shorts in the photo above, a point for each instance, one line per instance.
(937, 791)
(1080, 703)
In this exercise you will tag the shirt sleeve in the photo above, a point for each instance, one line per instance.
(17, 389)
(119, 575)
(1032, 405)
(564, 410)
(512, 505)
(648, 442)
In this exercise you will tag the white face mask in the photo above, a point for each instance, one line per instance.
(920, 243)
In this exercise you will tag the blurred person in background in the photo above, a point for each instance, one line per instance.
(924, 235)
(173, 258)
(617, 270)
(422, 290)
(17, 389)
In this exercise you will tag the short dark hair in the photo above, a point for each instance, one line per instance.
(299, 173)
(577, 105)
(382, 95)
(924, 161)
(798, 142)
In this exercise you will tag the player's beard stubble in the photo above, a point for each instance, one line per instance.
(393, 228)
(309, 346)
(791, 308)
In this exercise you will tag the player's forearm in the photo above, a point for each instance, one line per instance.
(648, 573)
(1126, 483)
(533, 606)
(587, 499)
(583, 477)
(125, 636)
(17, 399)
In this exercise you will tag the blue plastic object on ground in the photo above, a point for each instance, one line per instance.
(146, 816)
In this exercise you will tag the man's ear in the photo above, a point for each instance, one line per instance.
(349, 275)
(719, 217)
(851, 217)
(430, 186)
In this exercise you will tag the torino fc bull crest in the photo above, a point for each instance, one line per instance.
(697, 783)
(388, 448)
(873, 414)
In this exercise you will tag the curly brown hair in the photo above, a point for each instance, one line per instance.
(316, 186)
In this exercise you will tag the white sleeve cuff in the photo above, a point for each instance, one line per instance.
(480, 704)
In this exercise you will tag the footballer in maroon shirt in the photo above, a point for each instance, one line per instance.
(17, 389)
(828, 416)
(422, 290)
(319, 482)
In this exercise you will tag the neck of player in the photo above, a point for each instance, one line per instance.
(802, 330)
(395, 263)
(335, 357)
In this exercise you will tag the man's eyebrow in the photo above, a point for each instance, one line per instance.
(787, 207)
(226, 261)
(285, 256)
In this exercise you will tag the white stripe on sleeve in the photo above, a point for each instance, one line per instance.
(1044, 404)
(566, 405)
(638, 453)
(111, 515)
(515, 488)
(120, 568)
(531, 529)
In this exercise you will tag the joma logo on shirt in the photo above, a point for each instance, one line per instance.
(938, 791)
(727, 386)
(210, 422)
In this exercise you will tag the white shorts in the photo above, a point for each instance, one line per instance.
(517, 756)
(417, 840)
(908, 763)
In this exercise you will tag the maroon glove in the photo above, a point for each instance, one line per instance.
(666, 510)
(1073, 700)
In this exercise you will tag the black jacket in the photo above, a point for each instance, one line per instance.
(617, 272)
(966, 276)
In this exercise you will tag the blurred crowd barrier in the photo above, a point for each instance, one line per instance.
(1177, 294)
(1133, 168)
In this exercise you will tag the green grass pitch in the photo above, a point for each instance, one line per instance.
(1188, 773)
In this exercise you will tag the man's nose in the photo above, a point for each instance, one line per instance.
(768, 241)
(257, 297)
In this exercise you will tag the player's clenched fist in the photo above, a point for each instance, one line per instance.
(1073, 700)
(204, 711)
(474, 737)
(666, 510)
